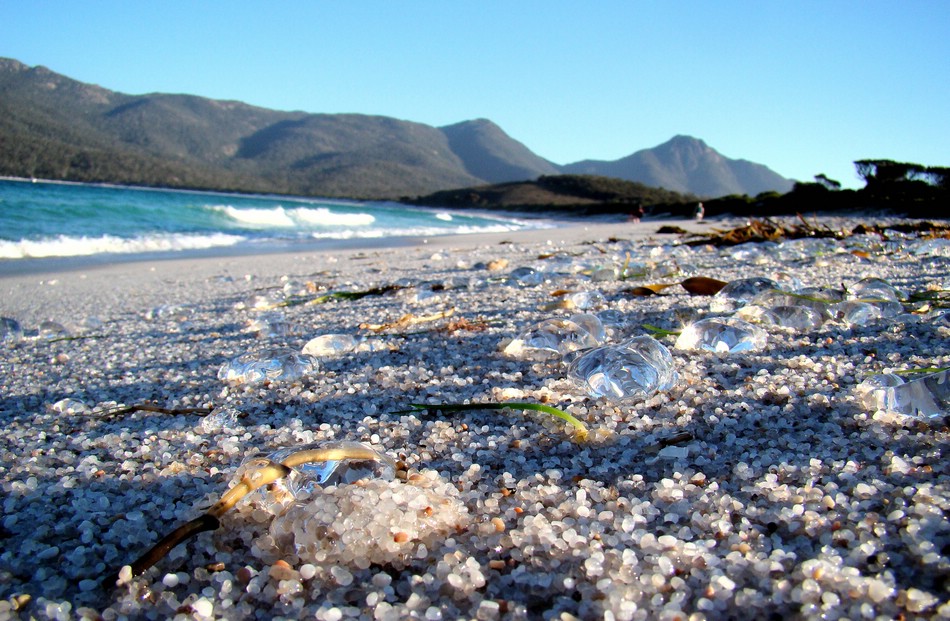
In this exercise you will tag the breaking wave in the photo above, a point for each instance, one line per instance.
(66, 246)
(280, 217)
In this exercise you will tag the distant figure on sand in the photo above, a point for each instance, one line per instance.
(699, 212)
(636, 214)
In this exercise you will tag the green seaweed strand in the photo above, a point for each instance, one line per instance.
(536, 407)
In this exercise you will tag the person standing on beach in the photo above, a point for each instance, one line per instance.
(699, 212)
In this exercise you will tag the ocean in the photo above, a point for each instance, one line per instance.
(40, 219)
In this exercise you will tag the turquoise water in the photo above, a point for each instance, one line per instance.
(44, 219)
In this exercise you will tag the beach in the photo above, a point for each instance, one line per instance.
(759, 485)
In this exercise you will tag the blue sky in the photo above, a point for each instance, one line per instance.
(804, 87)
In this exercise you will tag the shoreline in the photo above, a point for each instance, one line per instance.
(759, 484)
(141, 271)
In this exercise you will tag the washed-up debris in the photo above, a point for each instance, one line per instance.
(697, 285)
(254, 475)
(581, 433)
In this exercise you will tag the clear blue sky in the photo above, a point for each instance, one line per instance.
(804, 87)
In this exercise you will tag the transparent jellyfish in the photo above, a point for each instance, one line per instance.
(738, 293)
(925, 397)
(636, 368)
(271, 325)
(10, 330)
(798, 317)
(868, 289)
(69, 406)
(337, 463)
(749, 252)
(855, 313)
(591, 323)
(937, 247)
(805, 248)
(775, 298)
(330, 345)
(888, 309)
(563, 336)
(615, 323)
(219, 418)
(787, 281)
(170, 312)
(273, 364)
(585, 300)
(297, 289)
(50, 330)
(753, 313)
(603, 273)
(821, 294)
(260, 301)
(525, 277)
(722, 335)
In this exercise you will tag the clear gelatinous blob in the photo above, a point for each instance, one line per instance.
(91, 323)
(938, 247)
(53, 330)
(753, 313)
(775, 298)
(855, 313)
(220, 418)
(69, 406)
(10, 330)
(635, 270)
(603, 273)
(636, 368)
(330, 345)
(271, 325)
(585, 300)
(797, 317)
(925, 397)
(740, 292)
(170, 312)
(821, 294)
(273, 364)
(615, 323)
(593, 325)
(665, 269)
(297, 289)
(941, 317)
(260, 301)
(873, 394)
(876, 289)
(722, 335)
(805, 248)
(335, 472)
(562, 336)
(525, 277)
(749, 252)
(787, 281)
(888, 308)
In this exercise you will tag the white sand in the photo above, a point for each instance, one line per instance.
(781, 495)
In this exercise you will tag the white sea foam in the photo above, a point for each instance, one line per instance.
(420, 231)
(279, 217)
(66, 246)
(275, 216)
(324, 217)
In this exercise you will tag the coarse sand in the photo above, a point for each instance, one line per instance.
(759, 486)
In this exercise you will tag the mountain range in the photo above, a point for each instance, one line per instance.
(52, 126)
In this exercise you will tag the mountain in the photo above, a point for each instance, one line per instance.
(52, 126)
(688, 165)
(490, 154)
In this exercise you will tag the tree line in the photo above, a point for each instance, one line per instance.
(902, 188)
